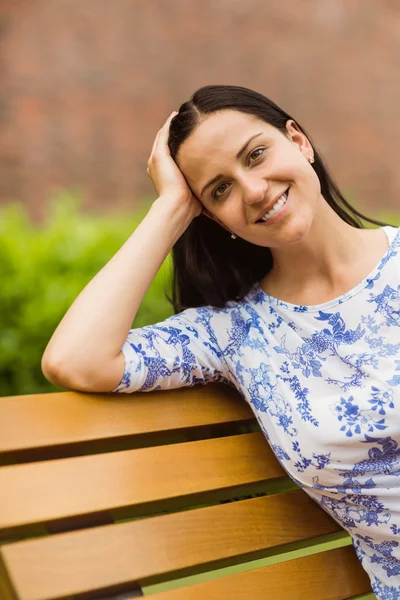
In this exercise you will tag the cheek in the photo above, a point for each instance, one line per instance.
(233, 213)
(294, 165)
(219, 217)
(314, 181)
(302, 172)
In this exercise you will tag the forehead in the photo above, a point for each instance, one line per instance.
(215, 142)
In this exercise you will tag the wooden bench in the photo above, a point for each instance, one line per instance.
(118, 496)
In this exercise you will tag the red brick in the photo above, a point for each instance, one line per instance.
(86, 86)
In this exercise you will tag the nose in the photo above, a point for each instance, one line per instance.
(254, 189)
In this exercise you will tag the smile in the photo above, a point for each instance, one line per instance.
(276, 208)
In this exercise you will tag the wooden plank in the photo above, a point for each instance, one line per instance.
(150, 550)
(143, 478)
(67, 419)
(7, 591)
(331, 575)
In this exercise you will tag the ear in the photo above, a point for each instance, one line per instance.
(211, 216)
(298, 137)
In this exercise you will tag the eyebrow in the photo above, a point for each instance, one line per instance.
(238, 155)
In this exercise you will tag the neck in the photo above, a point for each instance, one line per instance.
(322, 254)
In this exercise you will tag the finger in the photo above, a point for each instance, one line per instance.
(164, 131)
(154, 144)
(164, 128)
(171, 116)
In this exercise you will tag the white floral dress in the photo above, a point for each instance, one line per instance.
(324, 384)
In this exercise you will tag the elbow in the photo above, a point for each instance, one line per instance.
(47, 368)
(54, 373)
(59, 372)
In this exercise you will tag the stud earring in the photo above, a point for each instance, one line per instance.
(311, 159)
(233, 236)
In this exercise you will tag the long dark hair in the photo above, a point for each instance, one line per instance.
(209, 268)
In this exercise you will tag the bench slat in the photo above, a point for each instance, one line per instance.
(42, 421)
(58, 489)
(149, 550)
(331, 575)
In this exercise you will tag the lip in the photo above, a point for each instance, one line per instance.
(281, 212)
(270, 205)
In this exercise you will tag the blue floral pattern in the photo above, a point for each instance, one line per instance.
(323, 382)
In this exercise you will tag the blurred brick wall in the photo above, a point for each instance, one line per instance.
(84, 87)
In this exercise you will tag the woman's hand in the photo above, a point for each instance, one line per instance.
(165, 174)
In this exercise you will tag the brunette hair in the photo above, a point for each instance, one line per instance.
(208, 267)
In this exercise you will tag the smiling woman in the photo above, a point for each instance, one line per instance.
(243, 157)
(300, 313)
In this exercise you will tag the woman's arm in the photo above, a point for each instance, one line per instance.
(84, 352)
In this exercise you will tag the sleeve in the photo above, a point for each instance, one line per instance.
(180, 351)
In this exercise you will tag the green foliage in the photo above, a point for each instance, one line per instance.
(42, 271)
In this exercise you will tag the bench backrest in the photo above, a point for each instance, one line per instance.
(116, 496)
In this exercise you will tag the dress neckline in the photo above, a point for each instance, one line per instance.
(393, 235)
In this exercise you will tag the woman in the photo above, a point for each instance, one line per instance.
(298, 310)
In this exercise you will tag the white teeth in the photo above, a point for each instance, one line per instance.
(275, 208)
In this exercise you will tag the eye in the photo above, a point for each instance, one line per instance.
(215, 195)
(256, 150)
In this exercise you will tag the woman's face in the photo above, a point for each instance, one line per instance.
(270, 164)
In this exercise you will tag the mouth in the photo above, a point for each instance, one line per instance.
(275, 209)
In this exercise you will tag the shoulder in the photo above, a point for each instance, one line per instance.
(212, 317)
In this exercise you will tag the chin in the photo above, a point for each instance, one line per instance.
(297, 234)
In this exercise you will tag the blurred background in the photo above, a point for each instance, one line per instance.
(85, 88)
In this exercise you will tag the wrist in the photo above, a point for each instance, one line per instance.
(168, 207)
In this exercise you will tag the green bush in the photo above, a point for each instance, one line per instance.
(42, 271)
